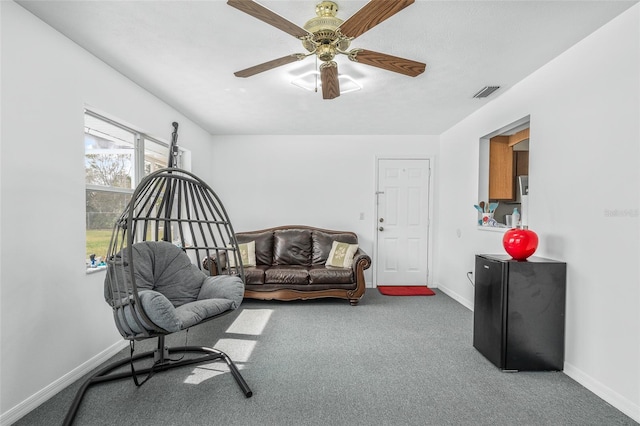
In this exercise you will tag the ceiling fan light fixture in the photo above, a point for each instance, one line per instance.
(348, 84)
(311, 82)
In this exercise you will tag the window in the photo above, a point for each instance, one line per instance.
(504, 175)
(116, 159)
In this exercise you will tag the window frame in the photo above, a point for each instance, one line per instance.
(140, 140)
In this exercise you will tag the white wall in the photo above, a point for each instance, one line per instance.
(584, 199)
(323, 181)
(53, 315)
(584, 122)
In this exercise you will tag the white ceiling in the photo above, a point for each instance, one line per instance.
(185, 52)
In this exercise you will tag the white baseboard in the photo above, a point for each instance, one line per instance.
(610, 396)
(455, 296)
(34, 401)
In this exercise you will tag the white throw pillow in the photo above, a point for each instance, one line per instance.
(247, 253)
(341, 254)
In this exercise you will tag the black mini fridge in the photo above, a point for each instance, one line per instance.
(519, 312)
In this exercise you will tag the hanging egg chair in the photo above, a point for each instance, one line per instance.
(159, 280)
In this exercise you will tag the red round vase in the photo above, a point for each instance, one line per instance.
(520, 243)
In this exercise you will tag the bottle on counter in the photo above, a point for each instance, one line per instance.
(516, 218)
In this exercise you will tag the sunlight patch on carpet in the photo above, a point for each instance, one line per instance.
(250, 321)
(239, 350)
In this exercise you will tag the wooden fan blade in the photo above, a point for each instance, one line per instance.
(329, 78)
(388, 62)
(257, 69)
(262, 13)
(371, 15)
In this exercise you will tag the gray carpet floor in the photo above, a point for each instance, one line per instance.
(388, 361)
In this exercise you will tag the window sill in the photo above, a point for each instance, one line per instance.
(502, 229)
(96, 269)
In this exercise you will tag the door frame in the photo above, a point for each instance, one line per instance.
(430, 210)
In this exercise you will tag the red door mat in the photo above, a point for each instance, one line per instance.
(405, 290)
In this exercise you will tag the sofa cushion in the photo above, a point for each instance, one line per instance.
(322, 242)
(306, 290)
(292, 247)
(264, 245)
(341, 254)
(286, 275)
(322, 275)
(255, 274)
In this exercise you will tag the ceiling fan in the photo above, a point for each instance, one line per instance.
(326, 36)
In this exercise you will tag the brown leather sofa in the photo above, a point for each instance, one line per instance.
(290, 264)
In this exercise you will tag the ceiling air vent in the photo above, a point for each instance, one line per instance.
(486, 91)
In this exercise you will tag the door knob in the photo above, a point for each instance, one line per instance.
(381, 229)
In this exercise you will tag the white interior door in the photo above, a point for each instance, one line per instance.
(403, 222)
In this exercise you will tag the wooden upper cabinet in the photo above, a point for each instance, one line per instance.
(522, 163)
(505, 164)
(501, 169)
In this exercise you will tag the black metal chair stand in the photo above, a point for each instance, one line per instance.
(162, 362)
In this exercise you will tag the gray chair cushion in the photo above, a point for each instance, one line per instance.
(227, 287)
(173, 293)
(159, 310)
(162, 267)
(195, 312)
(165, 268)
(164, 315)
